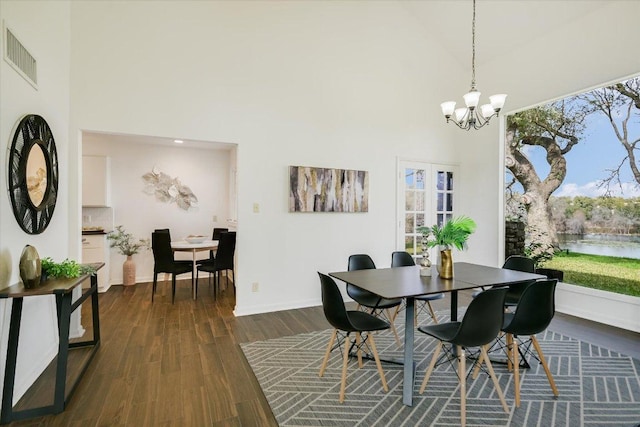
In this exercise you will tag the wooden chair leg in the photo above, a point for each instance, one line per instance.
(432, 312)
(328, 352)
(393, 328)
(462, 374)
(509, 345)
(513, 347)
(476, 370)
(345, 360)
(358, 349)
(432, 364)
(374, 350)
(552, 383)
(492, 374)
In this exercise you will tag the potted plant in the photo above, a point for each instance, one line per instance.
(454, 233)
(67, 268)
(128, 246)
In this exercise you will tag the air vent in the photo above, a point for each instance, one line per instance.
(20, 59)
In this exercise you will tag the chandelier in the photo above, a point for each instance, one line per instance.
(471, 116)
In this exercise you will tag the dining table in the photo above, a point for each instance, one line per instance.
(407, 283)
(194, 248)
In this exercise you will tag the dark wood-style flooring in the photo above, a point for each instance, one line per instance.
(180, 365)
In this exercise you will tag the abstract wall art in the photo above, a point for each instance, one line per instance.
(314, 189)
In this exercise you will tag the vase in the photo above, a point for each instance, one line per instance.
(445, 264)
(30, 267)
(129, 272)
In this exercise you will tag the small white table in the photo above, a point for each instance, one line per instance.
(184, 246)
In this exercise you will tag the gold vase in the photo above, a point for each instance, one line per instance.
(445, 266)
(30, 267)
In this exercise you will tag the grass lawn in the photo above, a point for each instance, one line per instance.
(621, 275)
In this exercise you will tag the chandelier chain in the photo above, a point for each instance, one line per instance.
(473, 48)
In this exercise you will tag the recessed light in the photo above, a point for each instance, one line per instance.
(178, 141)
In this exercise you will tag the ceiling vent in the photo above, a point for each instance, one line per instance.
(19, 58)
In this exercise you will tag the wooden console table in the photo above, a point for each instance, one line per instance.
(62, 289)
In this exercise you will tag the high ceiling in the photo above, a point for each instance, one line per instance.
(501, 25)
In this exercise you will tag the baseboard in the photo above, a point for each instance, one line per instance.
(268, 308)
(622, 311)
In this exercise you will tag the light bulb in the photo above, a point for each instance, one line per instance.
(472, 98)
(460, 114)
(497, 101)
(447, 108)
(486, 110)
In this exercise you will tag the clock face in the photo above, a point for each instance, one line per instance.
(33, 174)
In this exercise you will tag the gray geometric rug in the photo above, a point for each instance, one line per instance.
(597, 387)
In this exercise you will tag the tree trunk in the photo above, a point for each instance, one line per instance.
(540, 227)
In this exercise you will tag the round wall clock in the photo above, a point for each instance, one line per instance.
(33, 174)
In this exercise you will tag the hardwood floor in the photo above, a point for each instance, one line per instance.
(180, 365)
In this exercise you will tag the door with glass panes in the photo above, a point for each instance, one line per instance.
(427, 196)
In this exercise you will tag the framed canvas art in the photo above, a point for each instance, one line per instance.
(313, 189)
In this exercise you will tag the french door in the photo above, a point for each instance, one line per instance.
(426, 196)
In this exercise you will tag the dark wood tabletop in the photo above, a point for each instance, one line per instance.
(47, 287)
(403, 282)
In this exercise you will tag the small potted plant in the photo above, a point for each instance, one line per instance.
(454, 233)
(128, 246)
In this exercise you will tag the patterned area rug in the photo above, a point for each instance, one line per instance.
(597, 387)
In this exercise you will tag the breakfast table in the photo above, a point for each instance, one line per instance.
(194, 248)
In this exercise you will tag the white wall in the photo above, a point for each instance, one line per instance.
(332, 84)
(597, 48)
(205, 171)
(44, 29)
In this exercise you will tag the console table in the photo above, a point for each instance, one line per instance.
(62, 289)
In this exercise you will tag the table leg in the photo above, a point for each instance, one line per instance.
(454, 306)
(64, 317)
(409, 365)
(6, 415)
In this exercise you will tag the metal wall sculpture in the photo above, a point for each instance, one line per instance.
(168, 190)
(328, 190)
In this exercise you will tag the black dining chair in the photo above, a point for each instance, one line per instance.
(532, 315)
(223, 261)
(377, 305)
(164, 262)
(346, 322)
(217, 231)
(517, 263)
(404, 259)
(480, 326)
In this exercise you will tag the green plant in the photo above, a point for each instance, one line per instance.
(454, 232)
(66, 268)
(539, 253)
(125, 242)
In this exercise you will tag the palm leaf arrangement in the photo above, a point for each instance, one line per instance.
(454, 232)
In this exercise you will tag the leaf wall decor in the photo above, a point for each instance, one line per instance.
(169, 190)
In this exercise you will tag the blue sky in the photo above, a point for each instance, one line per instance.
(587, 162)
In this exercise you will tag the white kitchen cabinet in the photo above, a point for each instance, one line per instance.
(95, 249)
(96, 181)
